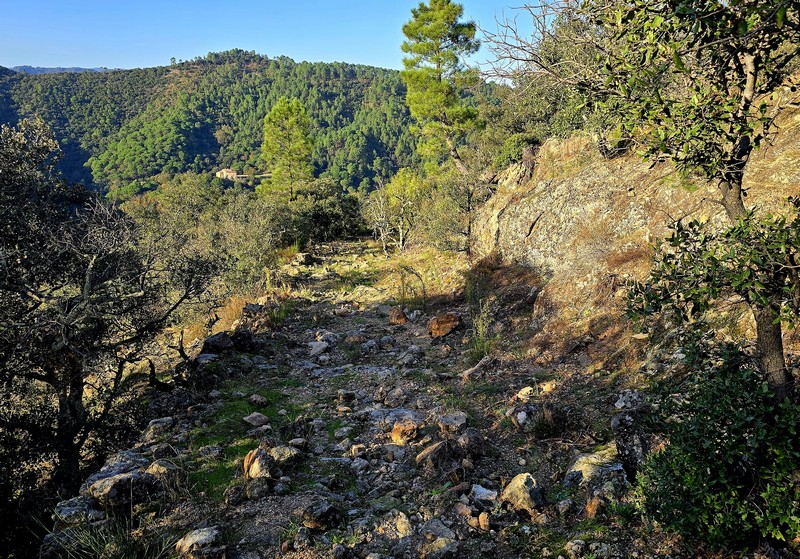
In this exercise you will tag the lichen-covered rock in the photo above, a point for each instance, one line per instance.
(203, 543)
(77, 511)
(119, 463)
(284, 454)
(157, 429)
(631, 442)
(472, 442)
(122, 490)
(320, 515)
(523, 494)
(259, 464)
(452, 424)
(404, 431)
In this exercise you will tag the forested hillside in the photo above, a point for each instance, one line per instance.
(119, 129)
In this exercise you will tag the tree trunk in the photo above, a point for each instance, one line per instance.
(769, 342)
(732, 199)
(769, 339)
(459, 163)
(70, 422)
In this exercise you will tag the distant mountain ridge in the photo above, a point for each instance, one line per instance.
(120, 129)
(57, 70)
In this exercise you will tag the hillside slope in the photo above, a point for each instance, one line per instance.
(208, 113)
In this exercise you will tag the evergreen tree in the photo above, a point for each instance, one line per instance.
(434, 74)
(287, 145)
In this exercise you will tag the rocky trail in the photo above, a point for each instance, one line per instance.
(354, 427)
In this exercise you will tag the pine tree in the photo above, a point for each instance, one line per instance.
(434, 73)
(287, 146)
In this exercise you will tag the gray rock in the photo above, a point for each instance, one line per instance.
(594, 468)
(452, 424)
(284, 454)
(205, 358)
(386, 418)
(258, 488)
(320, 515)
(258, 400)
(119, 463)
(574, 548)
(163, 450)
(472, 442)
(218, 343)
(250, 310)
(122, 490)
(211, 451)
(199, 540)
(317, 348)
(629, 399)
(256, 419)
(434, 529)
(442, 548)
(480, 493)
(342, 432)
(523, 493)
(395, 398)
(156, 429)
(631, 442)
(76, 511)
(282, 488)
(370, 346)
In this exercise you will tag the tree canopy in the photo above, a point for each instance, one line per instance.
(287, 145)
(436, 43)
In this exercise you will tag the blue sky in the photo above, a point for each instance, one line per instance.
(131, 33)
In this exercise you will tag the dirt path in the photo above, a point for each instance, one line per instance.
(348, 430)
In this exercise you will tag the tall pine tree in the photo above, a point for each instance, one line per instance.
(287, 146)
(434, 73)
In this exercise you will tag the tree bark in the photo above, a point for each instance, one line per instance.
(769, 338)
(70, 422)
(459, 163)
(769, 342)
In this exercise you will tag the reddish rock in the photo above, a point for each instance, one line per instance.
(397, 316)
(441, 325)
(594, 507)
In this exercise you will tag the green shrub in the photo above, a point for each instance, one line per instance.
(729, 473)
(512, 149)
